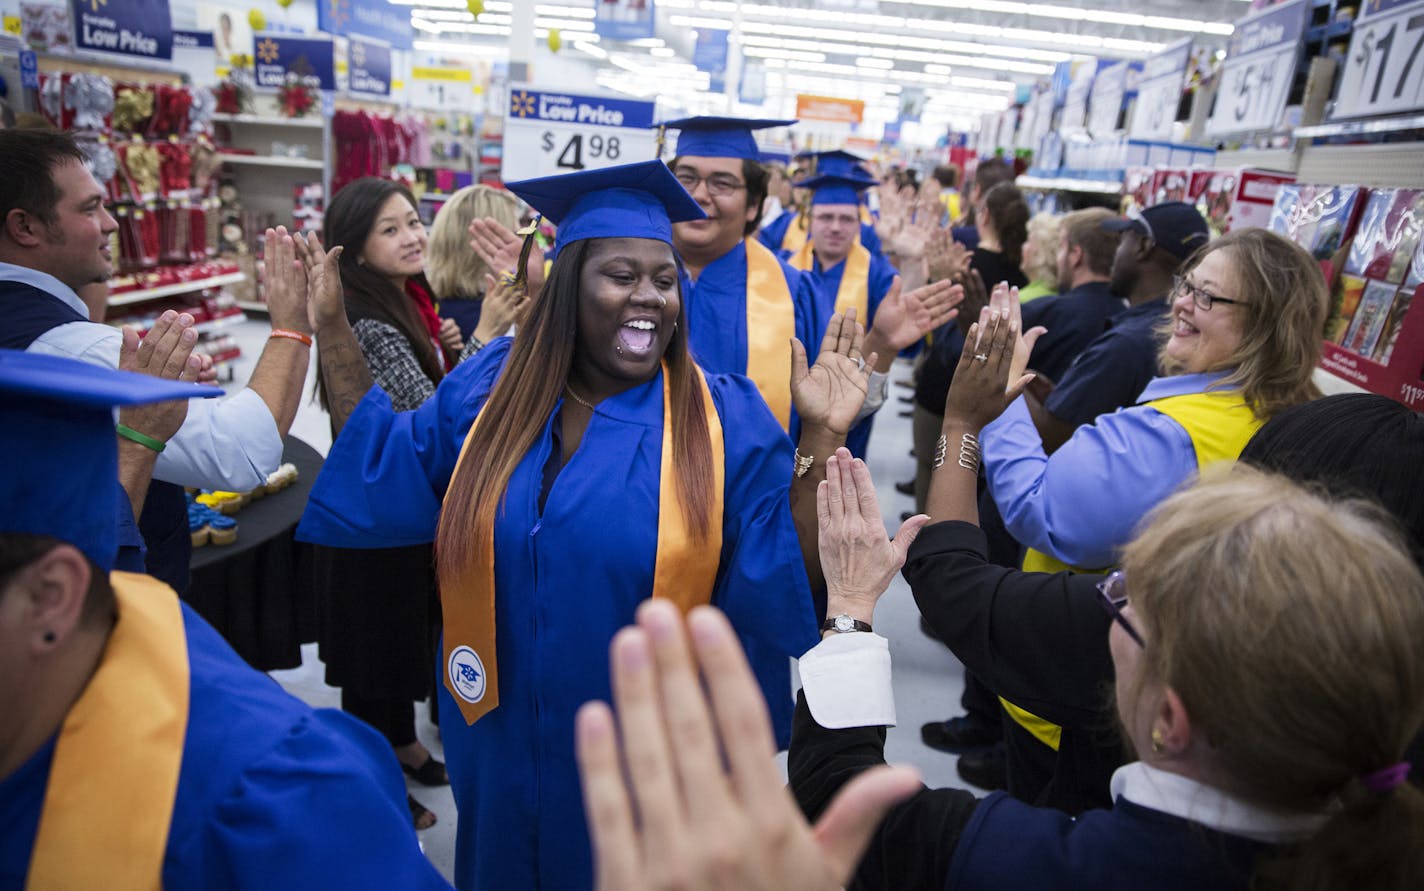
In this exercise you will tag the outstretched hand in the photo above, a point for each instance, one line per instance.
(704, 805)
(499, 247)
(902, 319)
(165, 352)
(285, 283)
(858, 559)
(986, 380)
(829, 394)
(947, 259)
(322, 274)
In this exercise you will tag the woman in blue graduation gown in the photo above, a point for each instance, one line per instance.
(609, 468)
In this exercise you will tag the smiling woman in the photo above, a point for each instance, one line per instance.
(574, 471)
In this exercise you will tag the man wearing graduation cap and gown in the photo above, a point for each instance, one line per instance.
(743, 303)
(137, 750)
(565, 476)
(846, 275)
(788, 233)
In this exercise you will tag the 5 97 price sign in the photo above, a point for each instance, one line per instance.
(1260, 65)
(548, 133)
(1384, 70)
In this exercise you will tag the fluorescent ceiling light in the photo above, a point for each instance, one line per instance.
(869, 62)
(594, 50)
(662, 52)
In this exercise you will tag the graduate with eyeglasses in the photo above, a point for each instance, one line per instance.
(566, 475)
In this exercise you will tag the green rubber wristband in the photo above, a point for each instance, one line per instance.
(147, 442)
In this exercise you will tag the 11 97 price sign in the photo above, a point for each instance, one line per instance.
(1384, 70)
(572, 150)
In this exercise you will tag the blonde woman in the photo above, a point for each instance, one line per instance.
(1040, 257)
(461, 277)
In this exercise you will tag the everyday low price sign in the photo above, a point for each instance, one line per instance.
(368, 67)
(278, 54)
(139, 28)
(1384, 70)
(1163, 76)
(1260, 65)
(547, 133)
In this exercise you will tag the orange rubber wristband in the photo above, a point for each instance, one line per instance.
(292, 335)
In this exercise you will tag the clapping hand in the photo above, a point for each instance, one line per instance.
(499, 246)
(166, 352)
(450, 337)
(830, 393)
(857, 558)
(504, 304)
(990, 374)
(902, 319)
(285, 282)
(704, 805)
(320, 271)
(948, 259)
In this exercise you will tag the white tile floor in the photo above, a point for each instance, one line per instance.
(928, 679)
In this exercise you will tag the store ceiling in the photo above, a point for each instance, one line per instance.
(967, 55)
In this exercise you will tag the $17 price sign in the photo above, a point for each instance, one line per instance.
(548, 133)
(1384, 70)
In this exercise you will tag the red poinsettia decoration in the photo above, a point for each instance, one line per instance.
(298, 95)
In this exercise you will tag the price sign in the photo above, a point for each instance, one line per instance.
(547, 133)
(1105, 103)
(1384, 70)
(1075, 107)
(1160, 92)
(1260, 65)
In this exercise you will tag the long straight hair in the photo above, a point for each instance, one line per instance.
(370, 295)
(535, 375)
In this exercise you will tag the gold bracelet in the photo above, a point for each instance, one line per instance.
(801, 463)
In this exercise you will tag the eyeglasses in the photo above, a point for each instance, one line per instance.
(1114, 599)
(1200, 296)
(718, 184)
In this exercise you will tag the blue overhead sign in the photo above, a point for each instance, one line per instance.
(567, 108)
(142, 29)
(369, 67)
(375, 19)
(277, 55)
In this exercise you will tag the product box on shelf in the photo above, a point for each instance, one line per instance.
(1241, 197)
(1376, 336)
(1137, 186)
(1170, 184)
(1320, 219)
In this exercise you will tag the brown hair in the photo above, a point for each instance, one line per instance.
(1283, 323)
(1008, 213)
(522, 400)
(1084, 229)
(1292, 628)
(454, 269)
(20, 549)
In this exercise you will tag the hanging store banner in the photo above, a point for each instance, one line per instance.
(829, 108)
(277, 55)
(1384, 69)
(709, 53)
(140, 29)
(1260, 65)
(373, 19)
(368, 67)
(1163, 77)
(1105, 100)
(623, 19)
(547, 133)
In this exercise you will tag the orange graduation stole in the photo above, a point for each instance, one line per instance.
(854, 290)
(771, 323)
(685, 571)
(796, 234)
(109, 801)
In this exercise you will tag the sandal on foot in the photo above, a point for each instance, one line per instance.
(431, 773)
(422, 816)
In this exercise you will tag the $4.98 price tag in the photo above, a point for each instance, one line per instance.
(1384, 70)
(549, 133)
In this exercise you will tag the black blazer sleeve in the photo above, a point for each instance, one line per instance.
(1039, 640)
(915, 843)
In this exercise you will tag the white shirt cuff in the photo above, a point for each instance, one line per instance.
(846, 678)
(875, 394)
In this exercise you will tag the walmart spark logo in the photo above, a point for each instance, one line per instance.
(267, 50)
(521, 104)
(95, 4)
(339, 12)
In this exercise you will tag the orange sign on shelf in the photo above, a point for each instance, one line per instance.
(829, 108)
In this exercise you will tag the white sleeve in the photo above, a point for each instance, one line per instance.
(230, 443)
(874, 396)
(846, 678)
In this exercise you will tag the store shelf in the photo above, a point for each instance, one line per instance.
(253, 306)
(1360, 128)
(206, 327)
(1282, 159)
(1069, 184)
(303, 123)
(190, 287)
(270, 161)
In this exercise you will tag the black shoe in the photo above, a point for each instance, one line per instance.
(906, 414)
(905, 488)
(989, 769)
(908, 400)
(961, 734)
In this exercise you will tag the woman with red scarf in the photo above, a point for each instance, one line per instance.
(379, 618)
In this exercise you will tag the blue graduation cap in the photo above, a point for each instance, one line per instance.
(714, 137)
(59, 475)
(834, 188)
(640, 200)
(835, 162)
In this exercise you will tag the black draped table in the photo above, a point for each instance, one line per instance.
(257, 592)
